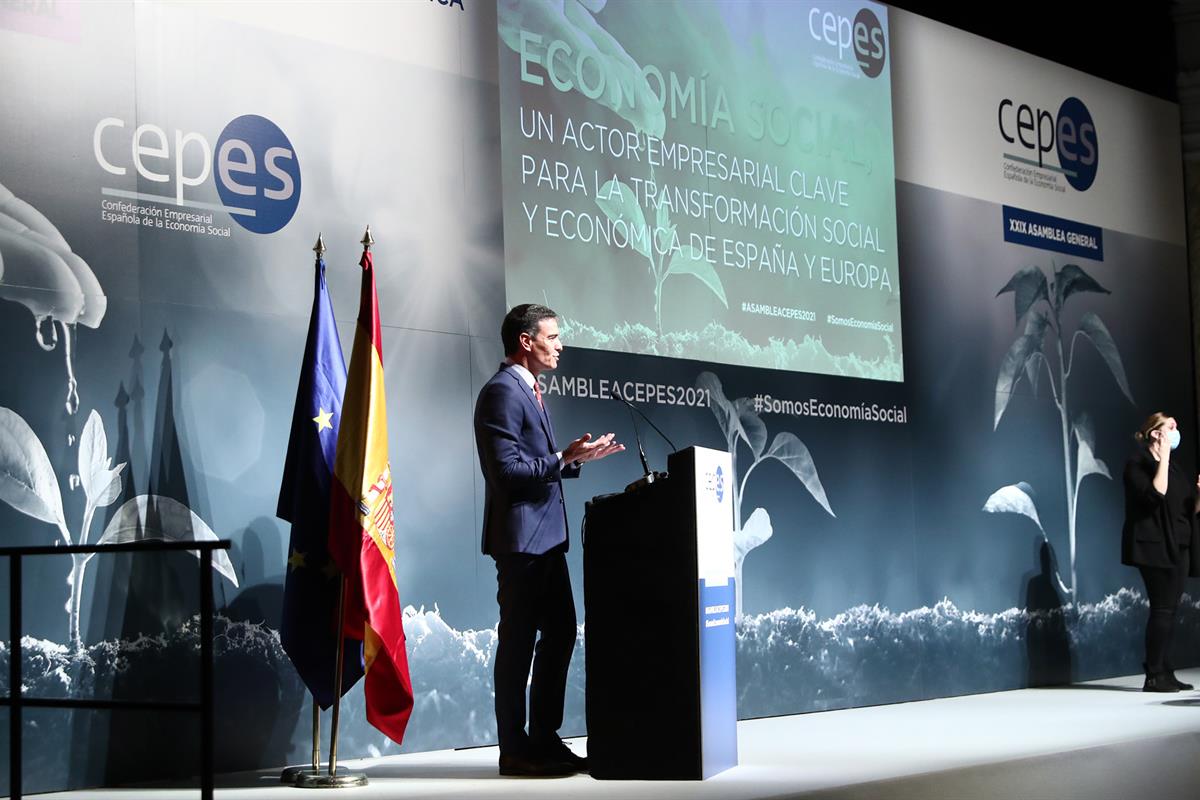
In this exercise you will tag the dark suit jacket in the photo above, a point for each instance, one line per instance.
(524, 510)
(1149, 538)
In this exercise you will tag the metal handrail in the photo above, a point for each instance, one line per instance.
(16, 700)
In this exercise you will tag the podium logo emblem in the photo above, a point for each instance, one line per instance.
(715, 482)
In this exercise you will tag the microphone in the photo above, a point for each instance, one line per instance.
(649, 421)
(649, 476)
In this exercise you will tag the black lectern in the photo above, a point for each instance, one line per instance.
(659, 635)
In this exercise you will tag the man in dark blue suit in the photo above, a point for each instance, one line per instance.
(525, 532)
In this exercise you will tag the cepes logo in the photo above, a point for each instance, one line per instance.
(1069, 135)
(862, 36)
(256, 171)
(715, 483)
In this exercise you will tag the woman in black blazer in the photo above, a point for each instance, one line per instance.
(1160, 538)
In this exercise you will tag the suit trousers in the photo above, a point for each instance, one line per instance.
(534, 593)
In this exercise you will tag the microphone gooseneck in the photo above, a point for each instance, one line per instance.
(648, 475)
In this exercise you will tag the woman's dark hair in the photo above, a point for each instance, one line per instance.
(525, 318)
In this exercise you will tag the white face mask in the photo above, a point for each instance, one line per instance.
(1174, 438)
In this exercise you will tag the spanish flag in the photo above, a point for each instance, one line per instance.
(362, 530)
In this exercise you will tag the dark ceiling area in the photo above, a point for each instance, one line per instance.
(1132, 44)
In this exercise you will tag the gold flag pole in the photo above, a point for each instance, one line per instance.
(334, 779)
(337, 679)
(316, 754)
(291, 775)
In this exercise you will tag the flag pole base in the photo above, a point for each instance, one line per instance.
(339, 780)
(291, 775)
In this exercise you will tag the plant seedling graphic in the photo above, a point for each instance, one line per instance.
(28, 484)
(743, 426)
(619, 202)
(1039, 303)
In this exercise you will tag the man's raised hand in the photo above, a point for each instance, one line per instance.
(586, 449)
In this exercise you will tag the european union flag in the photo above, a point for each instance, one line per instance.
(310, 594)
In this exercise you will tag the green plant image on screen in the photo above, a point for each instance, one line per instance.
(712, 181)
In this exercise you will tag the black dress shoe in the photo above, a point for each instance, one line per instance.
(1169, 676)
(557, 750)
(534, 767)
(1160, 682)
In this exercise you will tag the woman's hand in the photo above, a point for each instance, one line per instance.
(1159, 447)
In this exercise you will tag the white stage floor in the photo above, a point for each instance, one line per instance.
(1104, 739)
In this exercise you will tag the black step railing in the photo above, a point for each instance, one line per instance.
(17, 701)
